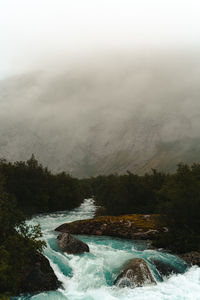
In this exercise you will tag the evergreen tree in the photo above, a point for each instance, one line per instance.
(18, 242)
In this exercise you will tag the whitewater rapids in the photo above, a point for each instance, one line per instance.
(90, 276)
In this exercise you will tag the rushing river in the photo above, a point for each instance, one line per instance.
(90, 276)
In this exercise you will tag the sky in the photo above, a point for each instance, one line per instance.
(36, 33)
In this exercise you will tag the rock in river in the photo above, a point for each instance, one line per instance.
(136, 273)
(71, 245)
(192, 258)
(164, 268)
(137, 226)
(39, 276)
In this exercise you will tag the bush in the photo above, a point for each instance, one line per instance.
(37, 190)
(18, 243)
(179, 205)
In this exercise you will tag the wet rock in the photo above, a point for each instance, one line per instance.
(39, 277)
(136, 273)
(191, 258)
(137, 226)
(71, 245)
(98, 232)
(164, 268)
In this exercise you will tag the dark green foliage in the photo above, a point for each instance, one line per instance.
(18, 243)
(28, 187)
(176, 197)
(128, 194)
(179, 205)
(38, 190)
(86, 188)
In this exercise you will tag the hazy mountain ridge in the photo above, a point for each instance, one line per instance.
(88, 121)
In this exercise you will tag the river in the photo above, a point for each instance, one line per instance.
(90, 276)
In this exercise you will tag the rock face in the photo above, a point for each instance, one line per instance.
(127, 226)
(136, 273)
(71, 245)
(141, 139)
(39, 277)
(191, 258)
(164, 268)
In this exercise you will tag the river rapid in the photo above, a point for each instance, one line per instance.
(90, 276)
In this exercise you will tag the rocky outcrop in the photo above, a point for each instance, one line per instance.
(164, 268)
(39, 276)
(127, 226)
(191, 258)
(71, 245)
(136, 273)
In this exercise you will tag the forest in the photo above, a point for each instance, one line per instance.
(174, 197)
(18, 243)
(37, 190)
(28, 188)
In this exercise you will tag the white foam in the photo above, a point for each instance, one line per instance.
(93, 273)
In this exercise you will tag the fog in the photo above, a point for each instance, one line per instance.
(98, 87)
(102, 114)
(35, 33)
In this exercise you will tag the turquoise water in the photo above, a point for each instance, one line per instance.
(90, 276)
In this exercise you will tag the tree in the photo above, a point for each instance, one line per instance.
(32, 162)
(180, 209)
(18, 242)
(37, 190)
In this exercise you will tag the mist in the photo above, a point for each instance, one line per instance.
(102, 115)
(35, 33)
(97, 87)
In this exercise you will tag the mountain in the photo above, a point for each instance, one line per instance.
(101, 117)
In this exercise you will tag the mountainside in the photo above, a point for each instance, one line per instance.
(133, 115)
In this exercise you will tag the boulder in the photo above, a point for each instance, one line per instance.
(39, 276)
(191, 258)
(71, 245)
(136, 226)
(164, 268)
(136, 273)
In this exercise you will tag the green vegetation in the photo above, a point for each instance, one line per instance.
(128, 194)
(179, 204)
(18, 243)
(30, 188)
(37, 190)
(176, 197)
(27, 188)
